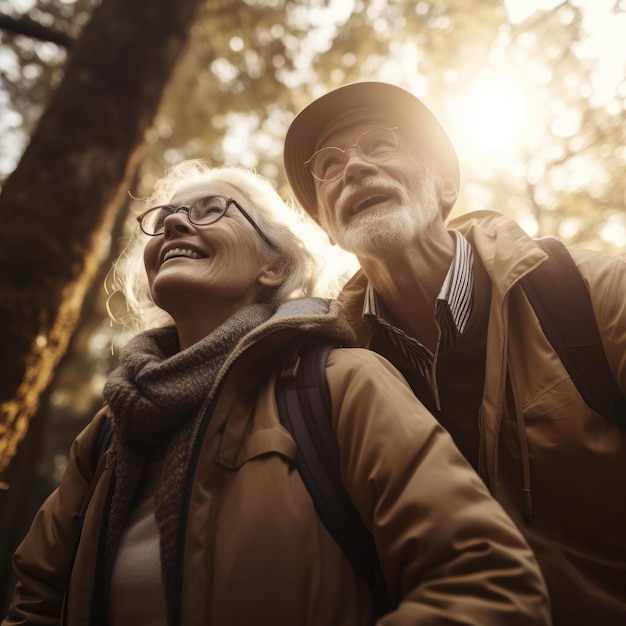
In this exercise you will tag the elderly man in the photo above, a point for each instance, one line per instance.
(442, 301)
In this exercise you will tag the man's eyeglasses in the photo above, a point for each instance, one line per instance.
(202, 212)
(375, 146)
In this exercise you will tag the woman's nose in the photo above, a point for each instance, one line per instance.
(177, 222)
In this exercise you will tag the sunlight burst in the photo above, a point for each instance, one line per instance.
(494, 116)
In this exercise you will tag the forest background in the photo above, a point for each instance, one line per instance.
(96, 98)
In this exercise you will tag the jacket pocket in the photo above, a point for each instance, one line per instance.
(273, 440)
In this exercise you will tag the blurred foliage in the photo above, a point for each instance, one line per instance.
(30, 69)
(251, 65)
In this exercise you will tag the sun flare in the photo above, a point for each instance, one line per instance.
(493, 118)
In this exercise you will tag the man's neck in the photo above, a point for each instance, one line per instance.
(408, 283)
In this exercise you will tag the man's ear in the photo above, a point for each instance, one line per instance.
(447, 190)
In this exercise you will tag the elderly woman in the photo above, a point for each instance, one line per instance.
(194, 514)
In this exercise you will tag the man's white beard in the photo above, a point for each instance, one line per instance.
(380, 231)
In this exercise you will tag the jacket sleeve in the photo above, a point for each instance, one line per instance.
(42, 561)
(605, 277)
(449, 553)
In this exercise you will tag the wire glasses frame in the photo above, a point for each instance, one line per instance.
(202, 212)
(375, 145)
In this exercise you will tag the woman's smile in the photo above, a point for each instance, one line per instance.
(181, 252)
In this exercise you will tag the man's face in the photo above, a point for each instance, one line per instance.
(373, 205)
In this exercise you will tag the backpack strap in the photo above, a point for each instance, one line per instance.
(562, 303)
(304, 408)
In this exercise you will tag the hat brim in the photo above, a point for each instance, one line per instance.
(414, 118)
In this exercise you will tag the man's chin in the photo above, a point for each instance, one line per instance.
(378, 233)
(364, 239)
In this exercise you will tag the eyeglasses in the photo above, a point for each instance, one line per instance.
(202, 212)
(375, 146)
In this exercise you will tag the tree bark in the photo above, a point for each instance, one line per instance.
(62, 199)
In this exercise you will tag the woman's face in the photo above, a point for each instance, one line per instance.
(215, 265)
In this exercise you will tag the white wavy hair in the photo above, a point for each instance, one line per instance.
(278, 221)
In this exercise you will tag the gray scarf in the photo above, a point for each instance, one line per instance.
(156, 396)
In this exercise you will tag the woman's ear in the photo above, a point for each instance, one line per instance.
(271, 276)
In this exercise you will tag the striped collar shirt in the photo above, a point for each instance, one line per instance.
(452, 314)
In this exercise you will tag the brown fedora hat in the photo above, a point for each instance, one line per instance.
(415, 119)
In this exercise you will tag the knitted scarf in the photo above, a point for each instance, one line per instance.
(155, 397)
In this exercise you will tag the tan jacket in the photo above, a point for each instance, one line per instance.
(543, 437)
(254, 550)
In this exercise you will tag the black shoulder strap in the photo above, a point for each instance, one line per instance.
(561, 301)
(304, 407)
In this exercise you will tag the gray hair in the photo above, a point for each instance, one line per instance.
(278, 220)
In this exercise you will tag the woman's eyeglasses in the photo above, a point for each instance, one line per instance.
(202, 212)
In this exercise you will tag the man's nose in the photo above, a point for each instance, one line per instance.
(356, 166)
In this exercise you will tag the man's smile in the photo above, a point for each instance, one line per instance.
(369, 201)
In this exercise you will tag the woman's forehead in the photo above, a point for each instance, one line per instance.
(193, 190)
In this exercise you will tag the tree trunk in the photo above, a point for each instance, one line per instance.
(61, 200)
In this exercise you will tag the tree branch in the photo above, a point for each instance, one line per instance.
(29, 28)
